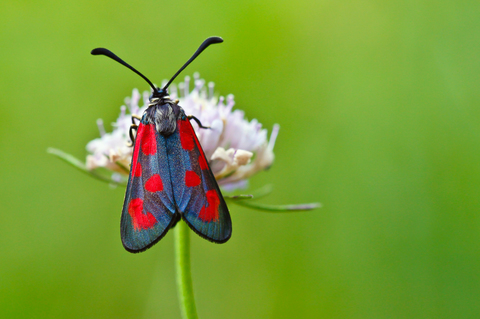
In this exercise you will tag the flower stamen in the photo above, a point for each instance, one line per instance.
(101, 128)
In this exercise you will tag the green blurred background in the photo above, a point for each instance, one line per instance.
(378, 104)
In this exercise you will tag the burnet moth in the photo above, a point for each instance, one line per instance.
(170, 178)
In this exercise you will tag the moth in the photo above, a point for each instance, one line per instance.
(170, 178)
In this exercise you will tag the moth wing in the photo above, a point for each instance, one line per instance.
(195, 189)
(149, 209)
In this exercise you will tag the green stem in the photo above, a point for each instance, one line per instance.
(184, 275)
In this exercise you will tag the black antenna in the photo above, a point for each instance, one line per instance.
(203, 46)
(156, 91)
(111, 55)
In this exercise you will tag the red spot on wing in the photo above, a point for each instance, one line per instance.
(138, 138)
(148, 141)
(186, 134)
(139, 219)
(201, 159)
(189, 139)
(192, 179)
(154, 184)
(137, 170)
(210, 212)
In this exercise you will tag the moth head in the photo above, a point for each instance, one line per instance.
(158, 93)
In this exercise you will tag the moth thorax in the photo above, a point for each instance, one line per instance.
(165, 119)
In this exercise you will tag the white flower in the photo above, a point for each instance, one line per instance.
(232, 159)
(235, 148)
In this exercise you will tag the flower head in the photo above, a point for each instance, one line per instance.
(235, 148)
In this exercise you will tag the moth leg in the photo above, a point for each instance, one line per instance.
(191, 117)
(130, 132)
(133, 127)
(135, 117)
